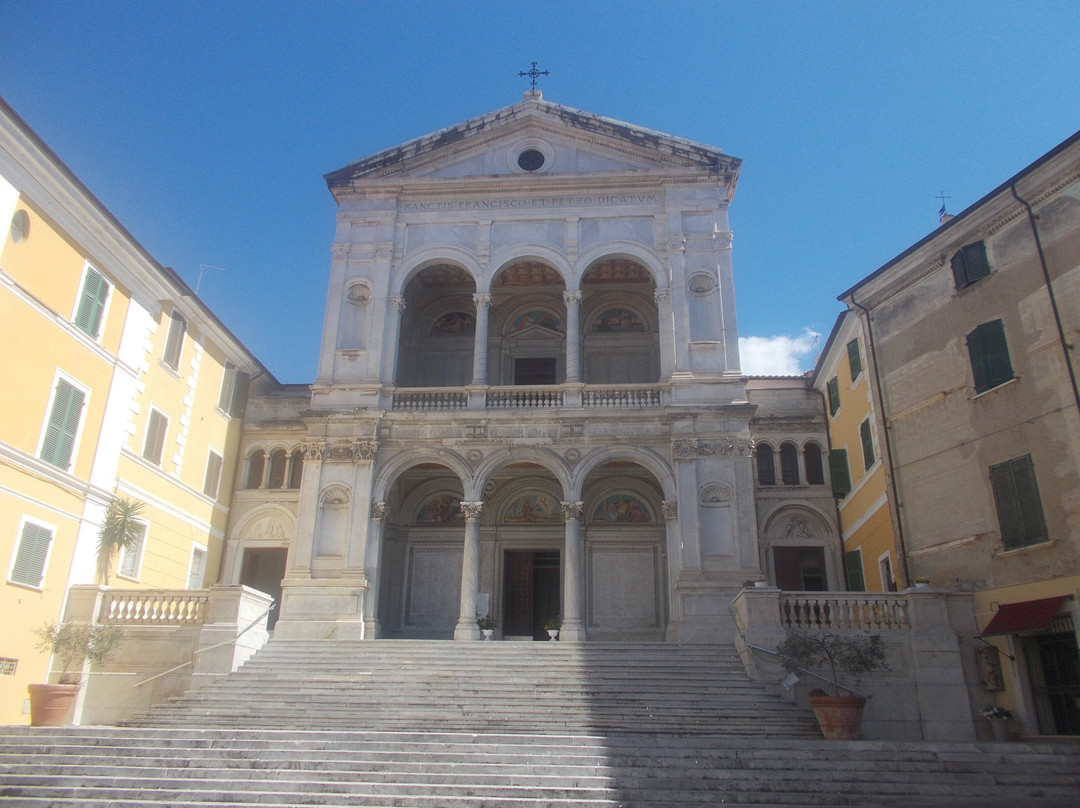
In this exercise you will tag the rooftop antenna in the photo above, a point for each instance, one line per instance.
(203, 267)
(943, 215)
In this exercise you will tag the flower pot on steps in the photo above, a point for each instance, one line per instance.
(50, 705)
(840, 717)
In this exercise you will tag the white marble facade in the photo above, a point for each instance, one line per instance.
(528, 400)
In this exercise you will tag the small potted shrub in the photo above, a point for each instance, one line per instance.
(840, 717)
(552, 627)
(70, 644)
(487, 626)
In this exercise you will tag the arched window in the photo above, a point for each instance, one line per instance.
(277, 469)
(255, 469)
(815, 472)
(766, 465)
(789, 464)
(296, 470)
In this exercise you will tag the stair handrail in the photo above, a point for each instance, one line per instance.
(241, 633)
(809, 673)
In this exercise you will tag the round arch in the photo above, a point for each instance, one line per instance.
(396, 466)
(509, 256)
(431, 256)
(649, 459)
(621, 249)
(545, 458)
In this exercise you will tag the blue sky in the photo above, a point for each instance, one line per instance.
(206, 127)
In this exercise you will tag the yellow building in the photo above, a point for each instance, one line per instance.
(118, 382)
(856, 460)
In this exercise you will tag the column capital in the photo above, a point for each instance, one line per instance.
(379, 510)
(396, 302)
(662, 294)
(482, 300)
(670, 508)
(472, 510)
(572, 510)
(572, 297)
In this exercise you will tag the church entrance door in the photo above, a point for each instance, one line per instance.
(531, 588)
(263, 569)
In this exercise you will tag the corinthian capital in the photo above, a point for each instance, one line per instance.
(472, 510)
(572, 297)
(396, 302)
(572, 510)
(482, 300)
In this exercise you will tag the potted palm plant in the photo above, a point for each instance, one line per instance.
(70, 644)
(120, 530)
(839, 716)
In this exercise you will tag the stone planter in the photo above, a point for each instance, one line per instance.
(553, 633)
(50, 705)
(840, 717)
(487, 634)
(1000, 728)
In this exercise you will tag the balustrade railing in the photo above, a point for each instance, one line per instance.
(155, 607)
(626, 398)
(530, 398)
(844, 610)
(430, 400)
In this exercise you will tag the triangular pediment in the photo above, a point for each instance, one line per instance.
(535, 137)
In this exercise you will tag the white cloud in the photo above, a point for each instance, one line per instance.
(780, 355)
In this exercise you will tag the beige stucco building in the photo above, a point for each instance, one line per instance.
(972, 338)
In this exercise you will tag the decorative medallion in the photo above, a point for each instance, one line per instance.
(714, 495)
(474, 457)
(572, 456)
(701, 284)
(336, 495)
(359, 294)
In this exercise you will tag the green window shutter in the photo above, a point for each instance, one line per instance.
(155, 437)
(833, 388)
(174, 343)
(838, 470)
(970, 264)
(241, 381)
(29, 567)
(60, 432)
(853, 571)
(854, 359)
(867, 444)
(92, 302)
(988, 350)
(1019, 507)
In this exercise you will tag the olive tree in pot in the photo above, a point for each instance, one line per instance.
(856, 653)
(70, 644)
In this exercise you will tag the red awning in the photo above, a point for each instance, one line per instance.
(1027, 615)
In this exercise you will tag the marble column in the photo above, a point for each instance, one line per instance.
(667, 332)
(372, 558)
(395, 305)
(572, 299)
(466, 628)
(573, 623)
(480, 342)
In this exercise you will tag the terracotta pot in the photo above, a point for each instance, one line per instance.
(50, 705)
(840, 717)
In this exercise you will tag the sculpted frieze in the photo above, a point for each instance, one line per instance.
(362, 451)
(688, 448)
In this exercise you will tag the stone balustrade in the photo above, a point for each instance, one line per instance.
(844, 610)
(527, 398)
(454, 399)
(155, 607)
(623, 397)
(443, 399)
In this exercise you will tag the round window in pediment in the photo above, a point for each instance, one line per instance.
(531, 160)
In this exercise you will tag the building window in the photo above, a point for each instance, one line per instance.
(131, 558)
(854, 359)
(28, 566)
(197, 568)
(789, 464)
(255, 469)
(888, 582)
(276, 478)
(815, 472)
(154, 445)
(853, 571)
(233, 394)
(833, 389)
(766, 464)
(62, 427)
(95, 292)
(989, 354)
(174, 343)
(867, 438)
(970, 264)
(296, 468)
(839, 472)
(1019, 508)
(212, 481)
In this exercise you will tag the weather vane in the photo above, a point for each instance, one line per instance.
(533, 74)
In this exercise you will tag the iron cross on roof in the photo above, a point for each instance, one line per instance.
(533, 73)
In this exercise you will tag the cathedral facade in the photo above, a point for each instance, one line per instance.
(529, 404)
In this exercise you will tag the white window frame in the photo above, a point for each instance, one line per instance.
(146, 436)
(111, 287)
(201, 582)
(139, 551)
(176, 321)
(23, 522)
(57, 378)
